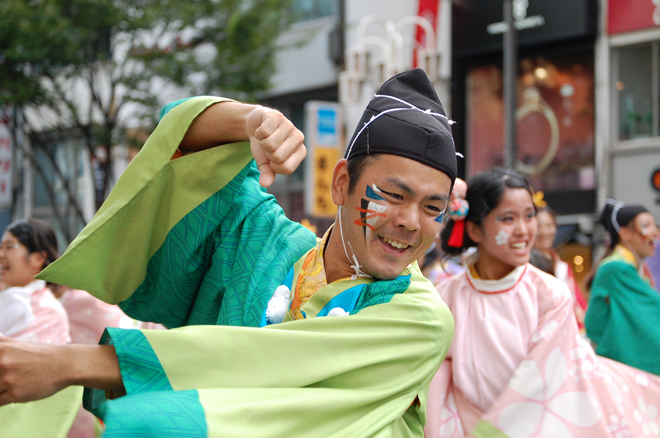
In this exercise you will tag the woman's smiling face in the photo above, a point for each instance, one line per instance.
(506, 235)
(17, 267)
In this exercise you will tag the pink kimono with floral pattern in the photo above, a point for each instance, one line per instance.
(518, 368)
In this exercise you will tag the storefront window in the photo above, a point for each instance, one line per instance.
(555, 114)
(634, 85)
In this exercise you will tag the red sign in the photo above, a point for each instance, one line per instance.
(427, 9)
(629, 15)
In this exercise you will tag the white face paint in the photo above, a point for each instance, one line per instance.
(502, 238)
(379, 209)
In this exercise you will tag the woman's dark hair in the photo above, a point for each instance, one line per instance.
(543, 263)
(553, 215)
(484, 194)
(624, 215)
(548, 210)
(37, 236)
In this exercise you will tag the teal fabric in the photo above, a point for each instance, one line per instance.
(223, 261)
(140, 368)
(622, 317)
(381, 292)
(238, 241)
(167, 108)
(176, 414)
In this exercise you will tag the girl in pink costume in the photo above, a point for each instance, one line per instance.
(517, 366)
(28, 309)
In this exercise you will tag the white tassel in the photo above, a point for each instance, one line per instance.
(277, 305)
(338, 311)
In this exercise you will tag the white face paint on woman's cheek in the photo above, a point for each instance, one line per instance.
(502, 238)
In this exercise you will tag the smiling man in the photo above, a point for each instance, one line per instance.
(257, 345)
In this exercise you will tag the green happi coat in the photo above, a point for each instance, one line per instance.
(197, 245)
(622, 317)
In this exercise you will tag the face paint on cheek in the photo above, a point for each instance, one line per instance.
(440, 217)
(502, 238)
(370, 212)
(373, 192)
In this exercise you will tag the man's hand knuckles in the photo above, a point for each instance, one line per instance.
(286, 168)
(269, 145)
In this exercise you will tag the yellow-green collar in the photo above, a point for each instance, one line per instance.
(626, 254)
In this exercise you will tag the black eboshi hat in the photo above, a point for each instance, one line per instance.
(406, 118)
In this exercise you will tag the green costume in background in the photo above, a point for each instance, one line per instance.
(196, 243)
(624, 312)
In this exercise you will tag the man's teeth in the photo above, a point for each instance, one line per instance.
(395, 244)
(519, 245)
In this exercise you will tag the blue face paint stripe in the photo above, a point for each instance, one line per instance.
(440, 217)
(373, 195)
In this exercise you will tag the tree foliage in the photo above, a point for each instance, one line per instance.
(94, 67)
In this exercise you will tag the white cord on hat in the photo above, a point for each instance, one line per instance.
(411, 108)
(428, 111)
(615, 211)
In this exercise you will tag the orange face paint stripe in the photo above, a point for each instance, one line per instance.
(364, 224)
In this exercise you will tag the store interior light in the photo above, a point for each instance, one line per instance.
(578, 260)
(541, 73)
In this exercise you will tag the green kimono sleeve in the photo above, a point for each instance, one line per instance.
(179, 242)
(626, 327)
(51, 417)
(363, 375)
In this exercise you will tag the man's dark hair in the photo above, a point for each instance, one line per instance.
(355, 167)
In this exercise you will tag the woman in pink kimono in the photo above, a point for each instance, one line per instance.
(517, 366)
(28, 309)
(30, 312)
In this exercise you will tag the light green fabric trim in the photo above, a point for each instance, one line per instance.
(86, 263)
(367, 369)
(486, 430)
(51, 417)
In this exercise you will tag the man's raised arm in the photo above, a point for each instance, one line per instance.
(276, 144)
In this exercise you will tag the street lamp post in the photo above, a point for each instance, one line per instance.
(510, 83)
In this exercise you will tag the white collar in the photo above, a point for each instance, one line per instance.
(28, 289)
(504, 284)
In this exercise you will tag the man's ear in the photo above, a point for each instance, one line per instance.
(340, 181)
(474, 232)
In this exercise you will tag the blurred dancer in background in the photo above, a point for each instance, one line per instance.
(28, 309)
(545, 237)
(622, 319)
(30, 312)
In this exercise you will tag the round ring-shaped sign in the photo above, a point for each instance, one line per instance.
(534, 103)
(655, 179)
